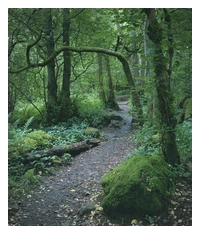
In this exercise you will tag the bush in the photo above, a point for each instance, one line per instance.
(91, 109)
(30, 141)
(24, 111)
(184, 140)
(147, 140)
(67, 135)
(139, 185)
(92, 132)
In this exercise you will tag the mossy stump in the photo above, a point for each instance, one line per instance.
(138, 186)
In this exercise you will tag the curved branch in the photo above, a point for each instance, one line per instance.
(29, 48)
(119, 56)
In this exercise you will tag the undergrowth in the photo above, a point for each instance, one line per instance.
(21, 140)
(148, 142)
(91, 110)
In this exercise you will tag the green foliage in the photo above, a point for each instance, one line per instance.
(14, 132)
(34, 140)
(184, 140)
(67, 135)
(188, 108)
(29, 179)
(24, 111)
(92, 132)
(147, 140)
(139, 185)
(91, 109)
(16, 135)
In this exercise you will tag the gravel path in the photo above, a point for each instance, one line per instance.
(58, 199)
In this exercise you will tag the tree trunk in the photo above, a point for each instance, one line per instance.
(165, 96)
(170, 46)
(72, 149)
(11, 98)
(52, 83)
(119, 56)
(101, 91)
(111, 102)
(65, 102)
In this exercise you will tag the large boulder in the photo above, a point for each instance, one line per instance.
(139, 185)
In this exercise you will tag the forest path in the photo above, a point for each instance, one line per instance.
(58, 199)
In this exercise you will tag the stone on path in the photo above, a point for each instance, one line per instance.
(86, 208)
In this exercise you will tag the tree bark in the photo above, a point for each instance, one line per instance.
(170, 46)
(119, 56)
(52, 83)
(165, 96)
(72, 149)
(65, 102)
(101, 91)
(111, 102)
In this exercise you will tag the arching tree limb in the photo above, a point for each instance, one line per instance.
(119, 56)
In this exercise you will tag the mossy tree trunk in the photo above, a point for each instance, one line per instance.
(101, 91)
(52, 83)
(165, 96)
(65, 109)
(119, 56)
(111, 102)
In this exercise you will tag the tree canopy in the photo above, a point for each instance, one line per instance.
(53, 59)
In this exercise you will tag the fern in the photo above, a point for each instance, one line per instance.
(16, 133)
(27, 124)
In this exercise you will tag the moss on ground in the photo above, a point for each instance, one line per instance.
(93, 132)
(139, 185)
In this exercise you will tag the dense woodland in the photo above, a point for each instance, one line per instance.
(67, 66)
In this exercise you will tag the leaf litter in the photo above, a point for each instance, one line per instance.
(57, 201)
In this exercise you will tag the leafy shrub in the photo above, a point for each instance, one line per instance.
(147, 140)
(25, 111)
(92, 132)
(16, 134)
(184, 140)
(91, 109)
(63, 135)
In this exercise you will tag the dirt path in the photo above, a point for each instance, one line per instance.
(58, 199)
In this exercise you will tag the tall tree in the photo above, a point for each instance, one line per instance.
(101, 91)
(165, 96)
(52, 82)
(111, 102)
(65, 111)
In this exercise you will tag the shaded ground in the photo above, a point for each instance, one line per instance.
(58, 199)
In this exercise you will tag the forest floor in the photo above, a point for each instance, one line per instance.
(58, 199)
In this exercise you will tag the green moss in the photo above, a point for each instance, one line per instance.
(139, 185)
(29, 179)
(24, 145)
(94, 132)
(34, 140)
(41, 137)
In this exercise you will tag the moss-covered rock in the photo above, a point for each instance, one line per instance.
(41, 137)
(137, 186)
(93, 132)
(34, 140)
